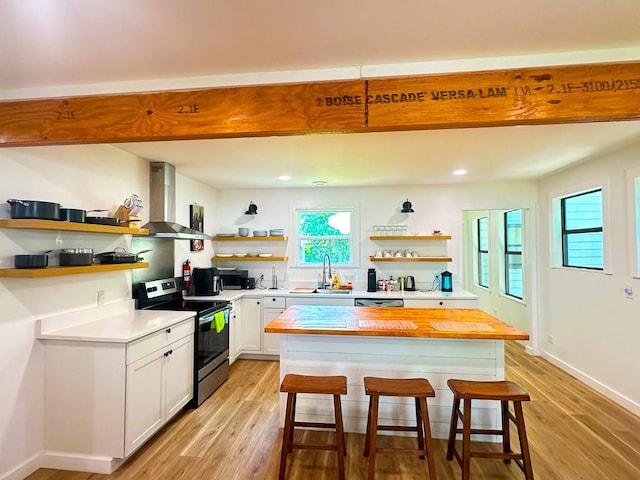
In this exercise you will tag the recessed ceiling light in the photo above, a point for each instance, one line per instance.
(285, 178)
(319, 183)
(460, 171)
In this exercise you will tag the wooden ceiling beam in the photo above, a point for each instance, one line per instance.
(524, 96)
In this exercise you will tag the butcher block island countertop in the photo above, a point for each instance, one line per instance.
(452, 323)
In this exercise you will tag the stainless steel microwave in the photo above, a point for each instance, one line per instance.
(234, 279)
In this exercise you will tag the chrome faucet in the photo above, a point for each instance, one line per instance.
(326, 258)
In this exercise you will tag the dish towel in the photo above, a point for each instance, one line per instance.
(219, 321)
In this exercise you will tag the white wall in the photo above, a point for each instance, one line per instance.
(594, 327)
(519, 313)
(436, 207)
(85, 177)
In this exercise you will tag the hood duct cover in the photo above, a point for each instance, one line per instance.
(162, 206)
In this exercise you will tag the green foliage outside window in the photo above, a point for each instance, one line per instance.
(324, 231)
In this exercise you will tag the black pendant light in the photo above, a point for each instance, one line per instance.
(406, 207)
(252, 210)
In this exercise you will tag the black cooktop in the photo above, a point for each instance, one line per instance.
(187, 305)
(166, 294)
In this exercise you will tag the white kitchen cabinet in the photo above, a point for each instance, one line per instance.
(251, 325)
(105, 399)
(271, 308)
(157, 388)
(235, 331)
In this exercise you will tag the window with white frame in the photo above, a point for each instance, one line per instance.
(581, 230)
(482, 252)
(513, 283)
(321, 231)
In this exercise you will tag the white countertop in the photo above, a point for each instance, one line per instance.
(118, 328)
(231, 295)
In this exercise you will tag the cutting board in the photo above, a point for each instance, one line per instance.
(303, 290)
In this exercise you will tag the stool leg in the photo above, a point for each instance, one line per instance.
(367, 435)
(419, 423)
(424, 415)
(524, 445)
(506, 436)
(451, 444)
(293, 420)
(287, 435)
(466, 439)
(373, 436)
(341, 447)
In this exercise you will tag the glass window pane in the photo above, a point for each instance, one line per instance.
(483, 269)
(324, 231)
(313, 250)
(584, 250)
(514, 275)
(483, 233)
(583, 211)
(513, 224)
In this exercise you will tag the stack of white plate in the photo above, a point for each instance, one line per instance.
(224, 255)
(265, 255)
(259, 233)
(252, 254)
(276, 232)
(239, 254)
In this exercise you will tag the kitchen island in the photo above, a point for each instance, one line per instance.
(434, 343)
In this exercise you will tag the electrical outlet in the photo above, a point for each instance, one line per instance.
(100, 297)
(550, 339)
(628, 292)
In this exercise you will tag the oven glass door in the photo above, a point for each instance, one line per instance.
(213, 337)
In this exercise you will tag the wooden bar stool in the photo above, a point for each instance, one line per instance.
(328, 385)
(420, 389)
(505, 392)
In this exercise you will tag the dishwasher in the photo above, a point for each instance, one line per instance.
(378, 302)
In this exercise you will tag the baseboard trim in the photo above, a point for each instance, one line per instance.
(79, 463)
(611, 394)
(23, 470)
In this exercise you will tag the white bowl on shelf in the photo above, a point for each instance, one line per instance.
(239, 254)
(252, 254)
(259, 233)
(265, 255)
(224, 255)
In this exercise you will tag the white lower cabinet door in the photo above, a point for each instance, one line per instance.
(251, 325)
(271, 341)
(144, 400)
(179, 376)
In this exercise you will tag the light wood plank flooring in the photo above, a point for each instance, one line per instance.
(574, 434)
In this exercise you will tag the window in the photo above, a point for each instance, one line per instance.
(581, 228)
(325, 230)
(513, 253)
(482, 237)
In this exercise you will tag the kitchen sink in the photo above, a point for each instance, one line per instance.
(325, 291)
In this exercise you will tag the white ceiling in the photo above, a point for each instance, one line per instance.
(70, 46)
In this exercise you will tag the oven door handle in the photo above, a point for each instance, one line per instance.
(210, 316)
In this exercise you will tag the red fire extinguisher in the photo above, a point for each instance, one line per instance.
(186, 274)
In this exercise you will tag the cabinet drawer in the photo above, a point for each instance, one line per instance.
(157, 340)
(441, 303)
(273, 302)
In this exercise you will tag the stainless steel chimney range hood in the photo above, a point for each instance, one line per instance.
(162, 206)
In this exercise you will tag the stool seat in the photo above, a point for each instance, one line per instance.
(292, 385)
(329, 385)
(500, 390)
(503, 391)
(420, 389)
(398, 387)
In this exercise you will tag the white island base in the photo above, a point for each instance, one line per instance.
(396, 357)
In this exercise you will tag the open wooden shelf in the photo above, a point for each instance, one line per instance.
(60, 271)
(413, 259)
(69, 226)
(410, 237)
(249, 239)
(249, 259)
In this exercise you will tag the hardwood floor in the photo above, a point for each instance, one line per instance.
(574, 434)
